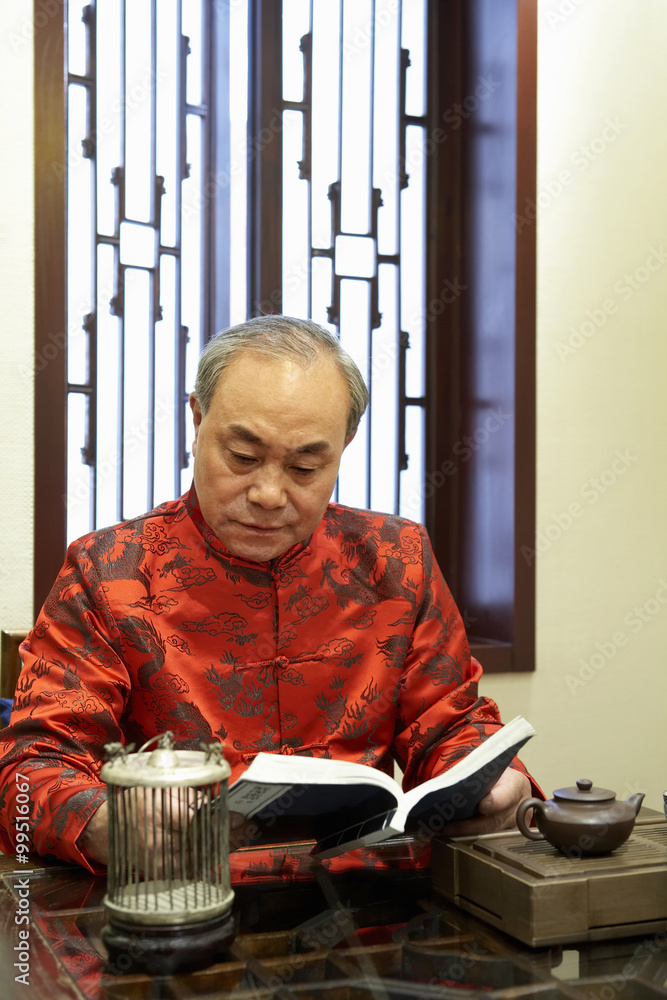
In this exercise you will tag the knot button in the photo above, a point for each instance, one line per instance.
(282, 662)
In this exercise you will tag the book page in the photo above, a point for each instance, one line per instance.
(293, 769)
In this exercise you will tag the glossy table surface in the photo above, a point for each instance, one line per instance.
(365, 926)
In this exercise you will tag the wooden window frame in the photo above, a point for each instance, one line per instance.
(50, 79)
(503, 640)
(502, 631)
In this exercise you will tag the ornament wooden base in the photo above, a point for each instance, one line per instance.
(162, 951)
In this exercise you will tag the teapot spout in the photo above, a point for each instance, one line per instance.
(635, 801)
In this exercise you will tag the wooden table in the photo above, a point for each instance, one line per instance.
(366, 926)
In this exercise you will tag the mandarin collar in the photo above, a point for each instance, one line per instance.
(212, 540)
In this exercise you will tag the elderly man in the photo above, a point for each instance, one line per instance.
(250, 611)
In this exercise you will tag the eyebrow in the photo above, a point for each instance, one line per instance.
(313, 448)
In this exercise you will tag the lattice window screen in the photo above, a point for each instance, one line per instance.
(141, 188)
(354, 219)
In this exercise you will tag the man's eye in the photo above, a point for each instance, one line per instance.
(303, 471)
(244, 459)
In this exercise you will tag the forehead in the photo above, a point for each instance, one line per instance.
(281, 395)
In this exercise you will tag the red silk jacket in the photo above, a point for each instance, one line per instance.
(347, 646)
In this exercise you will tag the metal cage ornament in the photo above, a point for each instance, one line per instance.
(168, 900)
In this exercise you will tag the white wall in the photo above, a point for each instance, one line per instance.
(16, 331)
(597, 695)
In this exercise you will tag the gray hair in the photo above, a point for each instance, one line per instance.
(278, 337)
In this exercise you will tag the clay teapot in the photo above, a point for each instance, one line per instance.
(581, 821)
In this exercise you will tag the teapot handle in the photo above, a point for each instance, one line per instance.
(521, 818)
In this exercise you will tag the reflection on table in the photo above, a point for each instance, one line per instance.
(365, 925)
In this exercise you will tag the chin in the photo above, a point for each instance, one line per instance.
(256, 550)
(255, 554)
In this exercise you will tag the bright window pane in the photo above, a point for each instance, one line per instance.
(368, 234)
(139, 87)
(147, 269)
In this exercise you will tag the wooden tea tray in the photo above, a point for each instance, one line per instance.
(533, 892)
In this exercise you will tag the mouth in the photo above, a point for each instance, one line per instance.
(260, 529)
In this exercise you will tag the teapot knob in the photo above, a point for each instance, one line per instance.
(584, 784)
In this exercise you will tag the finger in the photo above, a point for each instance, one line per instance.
(236, 820)
(506, 794)
(477, 825)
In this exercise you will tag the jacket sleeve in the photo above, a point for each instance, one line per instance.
(442, 716)
(69, 699)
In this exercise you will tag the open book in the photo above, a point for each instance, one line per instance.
(351, 805)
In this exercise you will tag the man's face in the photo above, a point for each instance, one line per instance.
(267, 452)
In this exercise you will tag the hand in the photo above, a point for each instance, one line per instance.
(497, 810)
(94, 839)
(243, 832)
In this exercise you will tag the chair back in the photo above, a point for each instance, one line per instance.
(10, 668)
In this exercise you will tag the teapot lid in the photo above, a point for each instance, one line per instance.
(584, 792)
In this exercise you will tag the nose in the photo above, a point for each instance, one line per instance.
(267, 489)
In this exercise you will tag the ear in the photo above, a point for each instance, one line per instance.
(351, 438)
(196, 419)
